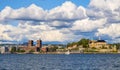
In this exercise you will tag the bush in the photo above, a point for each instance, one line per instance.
(13, 50)
(31, 51)
(52, 49)
(93, 48)
(20, 51)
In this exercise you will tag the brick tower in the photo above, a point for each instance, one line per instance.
(30, 43)
(39, 43)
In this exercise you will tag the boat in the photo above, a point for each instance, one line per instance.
(67, 53)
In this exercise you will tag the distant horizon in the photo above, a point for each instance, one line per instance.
(59, 21)
(48, 42)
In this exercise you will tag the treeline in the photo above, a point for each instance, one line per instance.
(84, 42)
(117, 45)
(14, 50)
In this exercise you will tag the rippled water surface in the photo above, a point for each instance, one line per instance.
(59, 62)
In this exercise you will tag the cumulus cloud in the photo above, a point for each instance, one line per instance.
(105, 4)
(60, 24)
(109, 9)
(68, 11)
(32, 12)
(113, 31)
(5, 13)
(87, 25)
(3, 31)
(66, 22)
(25, 31)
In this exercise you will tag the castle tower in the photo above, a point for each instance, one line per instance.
(39, 43)
(30, 43)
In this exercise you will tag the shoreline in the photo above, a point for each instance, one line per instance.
(65, 54)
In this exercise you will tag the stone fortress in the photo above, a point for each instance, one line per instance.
(31, 46)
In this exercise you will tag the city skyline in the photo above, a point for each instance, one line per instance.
(59, 21)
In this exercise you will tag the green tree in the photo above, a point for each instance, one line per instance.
(20, 51)
(52, 49)
(71, 44)
(117, 45)
(84, 42)
(31, 51)
(13, 50)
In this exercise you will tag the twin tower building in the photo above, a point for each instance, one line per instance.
(38, 43)
(31, 47)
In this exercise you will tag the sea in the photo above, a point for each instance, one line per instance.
(59, 62)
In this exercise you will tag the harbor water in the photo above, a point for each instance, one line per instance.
(59, 62)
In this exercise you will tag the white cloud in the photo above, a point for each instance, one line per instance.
(113, 31)
(87, 25)
(3, 30)
(62, 22)
(105, 4)
(67, 11)
(5, 13)
(25, 32)
(93, 14)
(32, 12)
(109, 9)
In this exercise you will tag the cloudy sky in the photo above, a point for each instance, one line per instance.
(59, 20)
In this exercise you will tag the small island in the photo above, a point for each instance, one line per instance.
(81, 46)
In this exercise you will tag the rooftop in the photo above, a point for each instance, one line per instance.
(101, 41)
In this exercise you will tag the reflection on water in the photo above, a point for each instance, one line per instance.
(59, 62)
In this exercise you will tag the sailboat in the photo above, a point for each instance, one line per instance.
(67, 53)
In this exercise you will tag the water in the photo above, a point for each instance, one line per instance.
(59, 62)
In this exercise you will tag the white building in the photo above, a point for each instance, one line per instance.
(4, 49)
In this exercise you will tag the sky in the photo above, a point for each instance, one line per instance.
(59, 21)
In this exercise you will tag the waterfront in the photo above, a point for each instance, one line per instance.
(59, 62)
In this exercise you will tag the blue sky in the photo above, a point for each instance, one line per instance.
(45, 4)
(59, 21)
